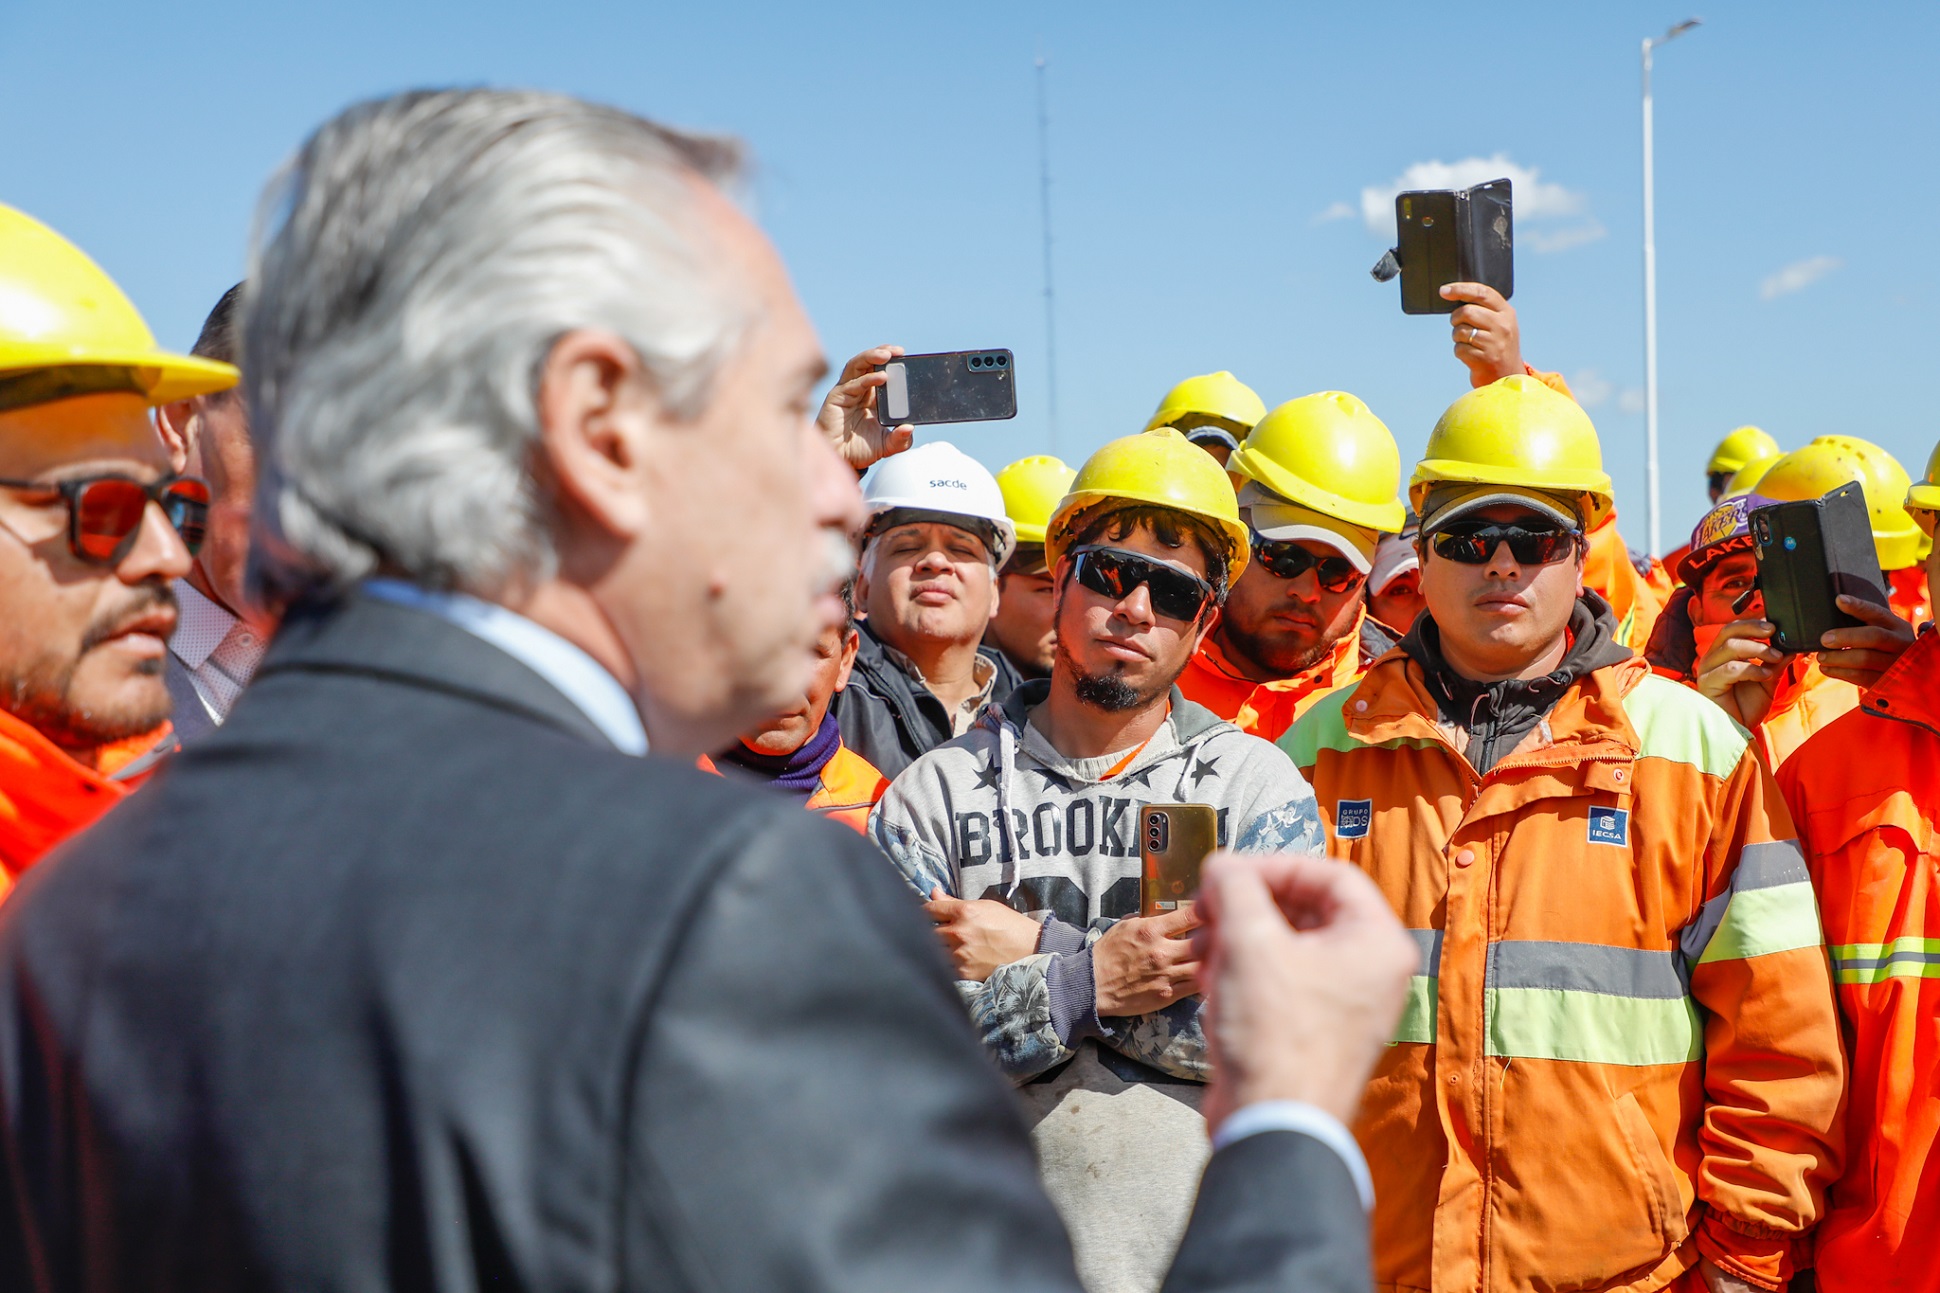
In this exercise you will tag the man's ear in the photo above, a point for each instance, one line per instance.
(596, 410)
(175, 423)
(851, 643)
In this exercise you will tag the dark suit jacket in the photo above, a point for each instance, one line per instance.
(404, 979)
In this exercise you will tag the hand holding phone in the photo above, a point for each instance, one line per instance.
(1810, 552)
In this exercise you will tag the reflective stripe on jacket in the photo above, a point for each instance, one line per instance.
(1268, 709)
(1621, 1053)
(1866, 794)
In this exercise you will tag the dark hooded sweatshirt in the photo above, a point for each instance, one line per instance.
(1497, 715)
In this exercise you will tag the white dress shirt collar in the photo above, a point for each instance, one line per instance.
(578, 677)
(200, 626)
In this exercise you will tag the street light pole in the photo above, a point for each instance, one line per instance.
(1654, 512)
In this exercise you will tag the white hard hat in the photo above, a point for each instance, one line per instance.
(940, 482)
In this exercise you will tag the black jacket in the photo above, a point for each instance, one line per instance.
(891, 719)
(404, 979)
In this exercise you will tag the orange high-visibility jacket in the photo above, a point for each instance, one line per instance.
(1267, 709)
(849, 788)
(1909, 596)
(1866, 795)
(1621, 1052)
(1806, 702)
(46, 795)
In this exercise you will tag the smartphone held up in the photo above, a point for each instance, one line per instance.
(953, 386)
(1448, 236)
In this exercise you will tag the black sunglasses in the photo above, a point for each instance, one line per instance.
(1114, 573)
(1288, 560)
(104, 513)
(1473, 543)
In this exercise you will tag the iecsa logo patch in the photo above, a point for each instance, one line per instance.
(1352, 817)
(1610, 826)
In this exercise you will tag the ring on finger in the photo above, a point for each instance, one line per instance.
(1470, 338)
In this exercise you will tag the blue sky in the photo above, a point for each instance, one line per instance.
(1210, 163)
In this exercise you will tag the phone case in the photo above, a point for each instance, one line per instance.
(954, 386)
(1808, 553)
(1174, 842)
(1454, 236)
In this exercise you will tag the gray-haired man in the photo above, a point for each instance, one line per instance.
(412, 976)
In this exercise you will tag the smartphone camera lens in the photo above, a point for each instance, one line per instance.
(1003, 360)
(976, 361)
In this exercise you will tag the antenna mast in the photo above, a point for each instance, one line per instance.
(1050, 311)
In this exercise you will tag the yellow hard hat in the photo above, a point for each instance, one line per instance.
(1160, 468)
(1216, 399)
(1923, 496)
(1745, 445)
(1832, 461)
(67, 330)
(1031, 489)
(1746, 478)
(1328, 452)
(1895, 533)
(1517, 432)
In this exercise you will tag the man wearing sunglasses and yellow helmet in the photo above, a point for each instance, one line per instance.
(94, 525)
(1023, 837)
(1319, 485)
(1596, 865)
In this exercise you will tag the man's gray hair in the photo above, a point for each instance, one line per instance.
(413, 267)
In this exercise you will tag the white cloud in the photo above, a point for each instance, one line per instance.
(1798, 275)
(1537, 200)
(1591, 388)
(1336, 211)
(1548, 240)
(1630, 400)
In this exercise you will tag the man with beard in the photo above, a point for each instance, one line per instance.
(1322, 482)
(89, 517)
(1022, 836)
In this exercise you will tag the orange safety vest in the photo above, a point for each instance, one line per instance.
(1866, 795)
(47, 795)
(850, 786)
(1908, 595)
(1620, 1053)
(1267, 709)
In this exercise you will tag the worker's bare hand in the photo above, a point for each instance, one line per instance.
(848, 416)
(981, 934)
(1719, 1280)
(1306, 973)
(1145, 963)
(1859, 656)
(1485, 332)
(1740, 671)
